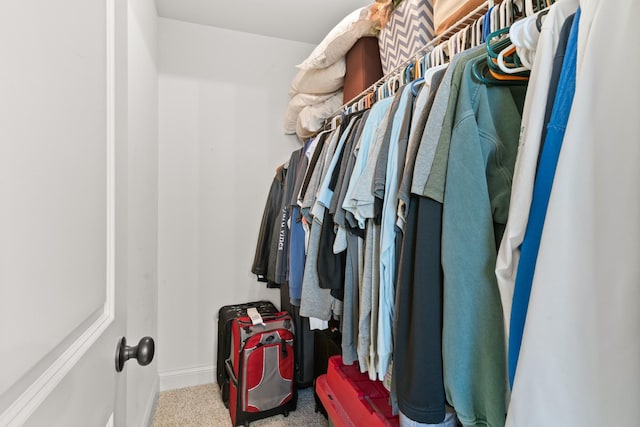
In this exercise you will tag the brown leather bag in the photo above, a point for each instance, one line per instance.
(363, 67)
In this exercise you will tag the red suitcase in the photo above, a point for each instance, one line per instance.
(261, 369)
(351, 399)
(226, 315)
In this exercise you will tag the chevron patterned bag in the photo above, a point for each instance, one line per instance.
(409, 28)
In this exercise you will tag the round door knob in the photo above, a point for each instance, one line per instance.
(143, 352)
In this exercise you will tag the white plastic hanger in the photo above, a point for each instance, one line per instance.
(525, 35)
(494, 19)
(361, 104)
(437, 55)
(506, 13)
(391, 85)
(528, 8)
(504, 68)
(334, 121)
(450, 47)
(462, 39)
(479, 27)
(472, 34)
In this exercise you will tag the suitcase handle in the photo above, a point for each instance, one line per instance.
(232, 376)
(271, 316)
(248, 324)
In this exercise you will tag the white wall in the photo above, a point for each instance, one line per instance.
(222, 96)
(142, 294)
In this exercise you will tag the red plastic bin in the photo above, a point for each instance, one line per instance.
(352, 399)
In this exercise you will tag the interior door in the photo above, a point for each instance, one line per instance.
(63, 254)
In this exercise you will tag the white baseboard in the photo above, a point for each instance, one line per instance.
(151, 405)
(170, 380)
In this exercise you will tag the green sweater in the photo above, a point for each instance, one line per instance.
(482, 154)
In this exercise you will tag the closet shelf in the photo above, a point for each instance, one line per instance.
(469, 19)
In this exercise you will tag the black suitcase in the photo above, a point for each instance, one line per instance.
(303, 343)
(327, 343)
(304, 349)
(226, 315)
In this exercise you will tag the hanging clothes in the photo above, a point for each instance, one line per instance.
(316, 302)
(297, 252)
(436, 125)
(282, 227)
(417, 353)
(261, 267)
(349, 239)
(423, 104)
(579, 363)
(370, 135)
(550, 150)
(465, 246)
(528, 151)
(482, 153)
(386, 184)
(331, 265)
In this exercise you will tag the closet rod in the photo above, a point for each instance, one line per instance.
(455, 28)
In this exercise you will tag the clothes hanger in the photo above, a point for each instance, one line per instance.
(432, 56)
(506, 13)
(476, 35)
(371, 99)
(380, 91)
(528, 8)
(335, 121)
(463, 39)
(397, 83)
(417, 71)
(472, 34)
(501, 49)
(481, 72)
(450, 46)
(437, 57)
(441, 56)
(408, 76)
(518, 6)
(525, 32)
(391, 86)
(475, 38)
(493, 47)
(510, 50)
(459, 41)
(539, 19)
(495, 18)
(467, 37)
(486, 26)
(415, 84)
(423, 65)
(507, 77)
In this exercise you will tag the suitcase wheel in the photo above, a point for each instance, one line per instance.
(286, 413)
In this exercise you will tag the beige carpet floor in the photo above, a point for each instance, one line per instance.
(202, 406)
